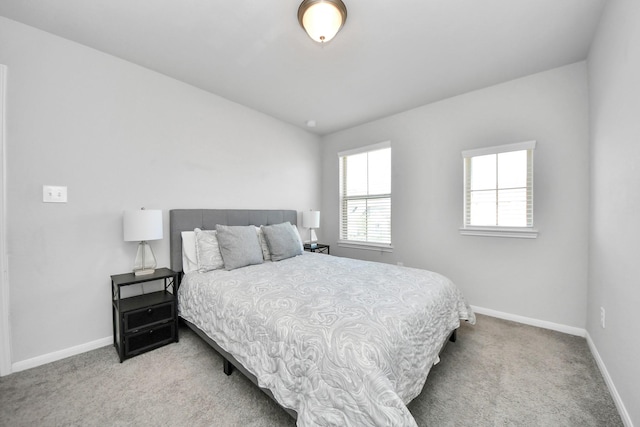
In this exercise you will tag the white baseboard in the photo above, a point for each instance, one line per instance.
(626, 419)
(61, 354)
(571, 330)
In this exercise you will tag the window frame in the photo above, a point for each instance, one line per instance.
(525, 232)
(357, 244)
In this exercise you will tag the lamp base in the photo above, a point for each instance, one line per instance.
(144, 272)
(145, 260)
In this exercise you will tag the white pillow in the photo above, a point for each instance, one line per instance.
(208, 251)
(189, 257)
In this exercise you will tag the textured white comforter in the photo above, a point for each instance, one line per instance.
(342, 342)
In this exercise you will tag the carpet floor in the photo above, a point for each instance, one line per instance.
(498, 373)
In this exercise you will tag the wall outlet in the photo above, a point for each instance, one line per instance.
(54, 194)
(602, 313)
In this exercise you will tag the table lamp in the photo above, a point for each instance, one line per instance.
(141, 226)
(311, 220)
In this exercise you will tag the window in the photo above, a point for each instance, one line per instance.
(365, 196)
(498, 190)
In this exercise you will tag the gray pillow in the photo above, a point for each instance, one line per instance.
(282, 240)
(208, 251)
(239, 246)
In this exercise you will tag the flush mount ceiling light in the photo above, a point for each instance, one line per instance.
(322, 19)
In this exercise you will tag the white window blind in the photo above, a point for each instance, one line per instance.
(365, 195)
(498, 186)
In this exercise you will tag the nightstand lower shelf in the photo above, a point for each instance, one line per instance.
(144, 322)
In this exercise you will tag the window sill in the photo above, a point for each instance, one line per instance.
(511, 232)
(381, 247)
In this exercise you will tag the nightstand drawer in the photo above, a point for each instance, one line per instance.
(147, 316)
(148, 339)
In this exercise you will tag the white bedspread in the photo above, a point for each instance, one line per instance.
(342, 342)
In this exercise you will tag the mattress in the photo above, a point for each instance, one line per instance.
(340, 341)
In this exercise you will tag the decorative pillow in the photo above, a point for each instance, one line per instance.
(189, 256)
(208, 251)
(266, 255)
(239, 246)
(282, 240)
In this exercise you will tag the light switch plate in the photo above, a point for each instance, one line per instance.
(54, 194)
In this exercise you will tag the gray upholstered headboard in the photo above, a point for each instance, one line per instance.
(206, 219)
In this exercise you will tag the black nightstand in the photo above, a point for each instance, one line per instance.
(144, 322)
(317, 247)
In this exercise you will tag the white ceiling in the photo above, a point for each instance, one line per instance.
(390, 56)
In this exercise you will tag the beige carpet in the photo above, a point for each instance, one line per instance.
(498, 373)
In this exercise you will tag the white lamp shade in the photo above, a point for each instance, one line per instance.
(142, 225)
(311, 219)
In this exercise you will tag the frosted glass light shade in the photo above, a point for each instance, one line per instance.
(322, 19)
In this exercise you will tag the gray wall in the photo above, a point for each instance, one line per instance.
(614, 82)
(120, 137)
(545, 278)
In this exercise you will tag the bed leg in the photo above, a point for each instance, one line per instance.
(227, 367)
(453, 336)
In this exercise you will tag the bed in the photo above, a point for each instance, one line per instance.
(334, 341)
